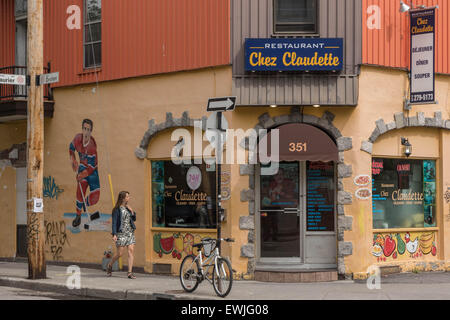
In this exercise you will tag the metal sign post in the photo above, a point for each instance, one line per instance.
(219, 177)
(220, 105)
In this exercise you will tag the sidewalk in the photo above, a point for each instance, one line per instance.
(94, 283)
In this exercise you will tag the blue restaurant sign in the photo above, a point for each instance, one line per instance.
(319, 54)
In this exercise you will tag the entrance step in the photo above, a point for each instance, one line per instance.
(296, 276)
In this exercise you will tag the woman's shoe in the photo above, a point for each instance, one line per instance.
(131, 275)
(109, 270)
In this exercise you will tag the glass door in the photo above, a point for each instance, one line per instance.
(279, 213)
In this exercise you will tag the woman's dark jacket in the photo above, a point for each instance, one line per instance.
(117, 221)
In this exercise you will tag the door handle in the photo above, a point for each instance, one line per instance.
(292, 210)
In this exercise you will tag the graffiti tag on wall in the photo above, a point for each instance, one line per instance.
(51, 189)
(56, 238)
(403, 245)
(32, 232)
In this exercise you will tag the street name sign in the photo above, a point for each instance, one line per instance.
(221, 104)
(13, 79)
(49, 78)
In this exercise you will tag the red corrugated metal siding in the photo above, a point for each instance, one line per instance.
(7, 33)
(62, 47)
(140, 37)
(389, 45)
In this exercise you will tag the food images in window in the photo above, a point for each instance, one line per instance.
(362, 180)
(363, 193)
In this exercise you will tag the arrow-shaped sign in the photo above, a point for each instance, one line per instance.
(221, 104)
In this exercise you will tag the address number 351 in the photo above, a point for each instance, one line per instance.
(298, 147)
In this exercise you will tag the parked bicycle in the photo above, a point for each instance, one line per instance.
(192, 271)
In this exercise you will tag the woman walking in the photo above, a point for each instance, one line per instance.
(123, 227)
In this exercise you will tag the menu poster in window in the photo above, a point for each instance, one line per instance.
(320, 196)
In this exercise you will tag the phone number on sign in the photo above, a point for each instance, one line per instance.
(422, 97)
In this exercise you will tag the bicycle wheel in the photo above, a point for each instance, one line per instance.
(189, 270)
(222, 277)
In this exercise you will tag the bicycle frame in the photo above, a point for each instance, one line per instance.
(210, 259)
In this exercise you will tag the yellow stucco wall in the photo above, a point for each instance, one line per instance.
(381, 96)
(10, 133)
(8, 215)
(120, 111)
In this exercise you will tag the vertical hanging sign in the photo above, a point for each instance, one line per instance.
(422, 56)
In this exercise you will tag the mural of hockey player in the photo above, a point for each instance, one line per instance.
(87, 170)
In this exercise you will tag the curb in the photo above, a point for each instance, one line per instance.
(36, 285)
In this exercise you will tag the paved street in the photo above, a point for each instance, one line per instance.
(94, 283)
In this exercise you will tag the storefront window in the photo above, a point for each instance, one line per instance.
(404, 193)
(183, 196)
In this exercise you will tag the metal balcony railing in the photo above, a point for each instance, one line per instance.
(11, 92)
